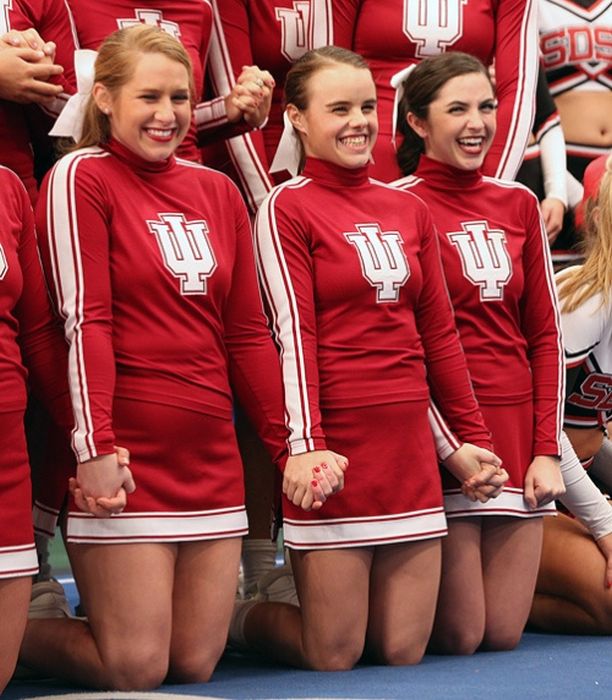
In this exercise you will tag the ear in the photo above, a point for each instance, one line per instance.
(102, 98)
(416, 124)
(296, 118)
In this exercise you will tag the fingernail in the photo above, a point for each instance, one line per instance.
(317, 469)
(324, 466)
(314, 482)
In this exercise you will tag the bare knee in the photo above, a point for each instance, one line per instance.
(135, 670)
(461, 641)
(340, 656)
(405, 654)
(194, 666)
(504, 639)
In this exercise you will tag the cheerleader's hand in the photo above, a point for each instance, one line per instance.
(487, 484)
(324, 467)
(543, 481)
(605, 545)
(102, 484)
(553, 211)
(251, 97)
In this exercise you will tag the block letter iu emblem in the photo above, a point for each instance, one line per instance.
(154, 18)
(186, 250)
(484, 258)
(433, 24)
(382, 258)
(306, 26)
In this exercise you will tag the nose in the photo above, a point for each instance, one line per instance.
(164, 111)
(475, 120)
(357, 118)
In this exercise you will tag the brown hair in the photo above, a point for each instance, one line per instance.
(115, 66)
(421, 88)
(296, 82)
(595, 275)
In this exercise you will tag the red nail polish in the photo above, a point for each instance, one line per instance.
(314, 482)
(324, 465)
(317, 469)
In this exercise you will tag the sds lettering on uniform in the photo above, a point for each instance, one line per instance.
(382, 258)
(186, 250)
(484, 258)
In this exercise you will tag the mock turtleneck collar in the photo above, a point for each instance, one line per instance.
(446, 176)
(331, 175)
(135, 161)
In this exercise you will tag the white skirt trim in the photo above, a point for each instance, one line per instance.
(365, 531)
(19, 560)
(510, 503)
(157, 527)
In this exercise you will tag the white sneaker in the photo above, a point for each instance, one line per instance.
(278, 586)
(48, 600)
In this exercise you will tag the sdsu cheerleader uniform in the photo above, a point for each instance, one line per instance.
(497, 266)
(28, 331)
(272, 34)
(392, 34)
(351, 272)
(152, 269)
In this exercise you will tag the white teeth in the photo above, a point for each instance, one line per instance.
(471, 141)
(354, 140)
(164, 133)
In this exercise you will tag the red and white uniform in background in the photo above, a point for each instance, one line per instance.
(351, 273)
(190, 22)
(576, 46)
(151, 267)
(392, 34)
(497, 265)
(587, 338)
(19, 124)
(272, 34)
(29, 336)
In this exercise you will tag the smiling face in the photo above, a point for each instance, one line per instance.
(339, 124)
(151, 113)
(460, 123)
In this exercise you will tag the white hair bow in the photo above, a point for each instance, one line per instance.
(70, 120)
(397, 83)
(287, 156)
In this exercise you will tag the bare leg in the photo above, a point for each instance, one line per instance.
(126, 643)
(403, 592)
(328, 632)
(460, 616)
(14, 600)
(511, 550)
(203, 599)
(571, 597)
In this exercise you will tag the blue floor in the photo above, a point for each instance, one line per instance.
(543, 666)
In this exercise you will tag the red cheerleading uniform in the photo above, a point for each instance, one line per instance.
(351, 274)
(391, 34)
(29, 337)
(272, 34)
(189, 21)
(18, 123)
(156, 283)
(497, 265)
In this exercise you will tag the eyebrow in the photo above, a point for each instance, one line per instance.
(344, 103)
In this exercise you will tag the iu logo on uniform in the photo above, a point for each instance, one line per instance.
(433, 25)
(3, 263)
(484, 258)
(186, 250)
(304, 26)
(382, 258)
(153, 17)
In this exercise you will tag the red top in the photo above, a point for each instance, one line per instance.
(152, 270)
(496, 260)
(352, 275)
(29, 334)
